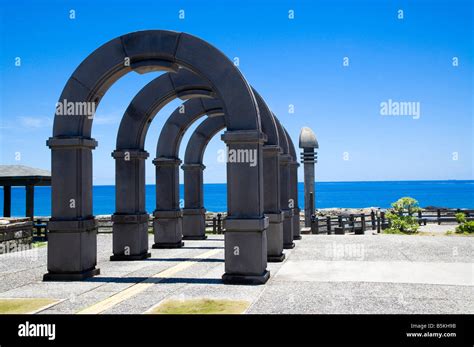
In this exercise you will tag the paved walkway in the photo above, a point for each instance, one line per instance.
(323, 274)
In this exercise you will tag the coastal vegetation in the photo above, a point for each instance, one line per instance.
(401, 217)
(465, 226)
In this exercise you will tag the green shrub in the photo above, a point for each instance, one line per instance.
(460, 217)
(465, 228)
(406, 204)
(402, 219)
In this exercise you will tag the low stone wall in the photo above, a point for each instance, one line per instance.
(15, 234)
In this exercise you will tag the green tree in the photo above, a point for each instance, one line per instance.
(401, 217)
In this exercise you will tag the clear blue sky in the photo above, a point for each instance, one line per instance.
(297, 62)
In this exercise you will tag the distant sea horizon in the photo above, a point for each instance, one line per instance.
(356, 194)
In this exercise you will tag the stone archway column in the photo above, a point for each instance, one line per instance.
(130, 220)
(72, 227)
(285, 160)
(246, 225)
(294, 196)
(272, 207)
(194, 213)
(168, 221)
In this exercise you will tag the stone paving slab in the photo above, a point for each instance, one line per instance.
(323, 274)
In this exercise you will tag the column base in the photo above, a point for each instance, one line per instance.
(276, 258)
(73, 276)
(289, 245)
(168, 245)
(297, 237)
(246, 279)
(123, 257)
(194, 237)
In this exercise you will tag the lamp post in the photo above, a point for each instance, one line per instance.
(309, 157)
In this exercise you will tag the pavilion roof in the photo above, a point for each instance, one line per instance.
(21, 175)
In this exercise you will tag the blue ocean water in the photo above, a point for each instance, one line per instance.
(453, 194)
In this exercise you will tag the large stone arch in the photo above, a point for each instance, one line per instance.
(72, 249)
(168, 216)
(130, 220)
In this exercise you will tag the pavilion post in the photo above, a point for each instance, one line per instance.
(7, 201)
(30, 201)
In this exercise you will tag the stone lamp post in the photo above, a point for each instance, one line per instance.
(309, 157)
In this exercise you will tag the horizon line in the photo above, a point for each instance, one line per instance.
(379, 181)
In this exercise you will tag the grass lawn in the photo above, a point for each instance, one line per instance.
(15, 306)
(201, 306)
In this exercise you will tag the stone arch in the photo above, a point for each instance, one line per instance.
(73, 227)
(130, 220)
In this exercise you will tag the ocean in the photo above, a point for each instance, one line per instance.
(452, 194)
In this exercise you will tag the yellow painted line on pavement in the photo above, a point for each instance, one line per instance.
(140, 287)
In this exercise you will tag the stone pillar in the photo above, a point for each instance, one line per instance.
(72, 238)
(30, 201)
(7, 201)
(308, 143)
(194, 213)
(285, 160)
(130, 220)
(246, 226)
(271, 203)
(168, 221)
(294, 197)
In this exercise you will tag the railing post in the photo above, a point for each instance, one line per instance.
(313, 224)
(351, 222)
(328, 224)
(219, 223)
(214, 225)
(382, 216)
(439, 216)
(316, 222)
(378, 225)
(372, 219)
(339, 219)
(362, 223)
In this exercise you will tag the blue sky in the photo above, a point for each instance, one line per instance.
(289, 61)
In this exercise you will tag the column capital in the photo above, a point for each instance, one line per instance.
(285, 159)
(193, 211)
(168, 213)
(243, 136)
(132, 154)
(75, 225)
(294, 163)
(71, 142)
(130, 218)
(166, 161)
(246, 224)
(271, 149)
(193, 166)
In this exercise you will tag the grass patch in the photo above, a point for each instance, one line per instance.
(394, 231)
(16, 306)
(39, 244)
(201, 306)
